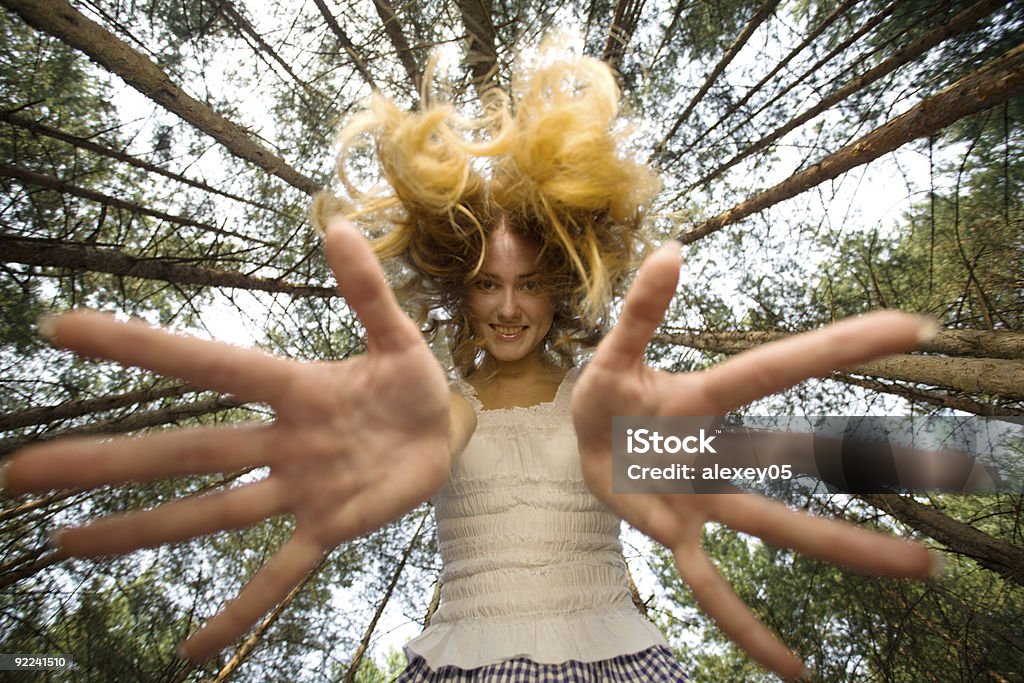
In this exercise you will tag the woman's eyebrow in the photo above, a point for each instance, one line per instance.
(495, 276)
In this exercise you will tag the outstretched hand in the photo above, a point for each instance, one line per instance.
(355, 444)
(617, 382)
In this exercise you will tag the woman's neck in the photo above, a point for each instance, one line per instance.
(524, 382)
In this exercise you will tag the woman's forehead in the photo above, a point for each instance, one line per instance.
(510, 254)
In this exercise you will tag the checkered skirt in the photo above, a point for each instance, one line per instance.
(654, 665)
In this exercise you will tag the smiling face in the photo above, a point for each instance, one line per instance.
(509, 308)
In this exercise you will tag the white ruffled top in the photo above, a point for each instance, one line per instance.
(532, 561)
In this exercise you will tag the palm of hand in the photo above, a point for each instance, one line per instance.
(361, 442)
(356, 443)
(617, 382)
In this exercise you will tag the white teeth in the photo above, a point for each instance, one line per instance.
(505, 329)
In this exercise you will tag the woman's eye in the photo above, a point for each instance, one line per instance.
(486, 285)
(530, 286)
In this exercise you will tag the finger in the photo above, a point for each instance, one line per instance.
(269, 586)
(249, 374)
(87, 462)
(779, 365)
(361, 281)
(717, 598)
(178, 521)
(824, 539)
(643, 309)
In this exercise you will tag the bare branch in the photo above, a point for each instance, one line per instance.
(243, 24)
(357, 658)
(357, 60)
(808, 39)
(247, 646)
(759, 17)
(935, 398)
(46, 182)
(1004, 558)
(34, 126)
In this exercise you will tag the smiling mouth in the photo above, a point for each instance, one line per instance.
(508, 331)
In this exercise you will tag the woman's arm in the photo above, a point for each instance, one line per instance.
(462, 424)
(618, 382)
(354, 445)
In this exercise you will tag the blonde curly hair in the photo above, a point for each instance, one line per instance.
(555, 174)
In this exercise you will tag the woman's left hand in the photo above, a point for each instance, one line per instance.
(618, 382)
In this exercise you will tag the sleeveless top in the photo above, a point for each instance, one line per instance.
(532, 563)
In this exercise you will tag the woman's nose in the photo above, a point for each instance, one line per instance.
(508, 306)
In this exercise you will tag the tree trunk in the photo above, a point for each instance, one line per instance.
(85, 257)
(958, 24)
(130, 423)
(978, 343)
(1004, 558)
(73, 409)
(481, 54)
(357, 658)
(624, 22)
(393, 27)
(247, 646)
(765, 11)
(58, 18)
(995, 82)
(1003, 378)
(935, 398)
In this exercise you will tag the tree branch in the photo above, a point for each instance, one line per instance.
(346, 43)
(37, 179)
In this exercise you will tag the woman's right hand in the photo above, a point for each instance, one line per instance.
(355, 443)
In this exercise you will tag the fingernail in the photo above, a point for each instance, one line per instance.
(937, 566)
(804, 676)
(926, 331)
(46, 326)
(53, 542)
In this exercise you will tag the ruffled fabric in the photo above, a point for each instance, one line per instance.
(532, 560)
(582, 637)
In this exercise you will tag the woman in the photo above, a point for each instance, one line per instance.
(517, 271)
